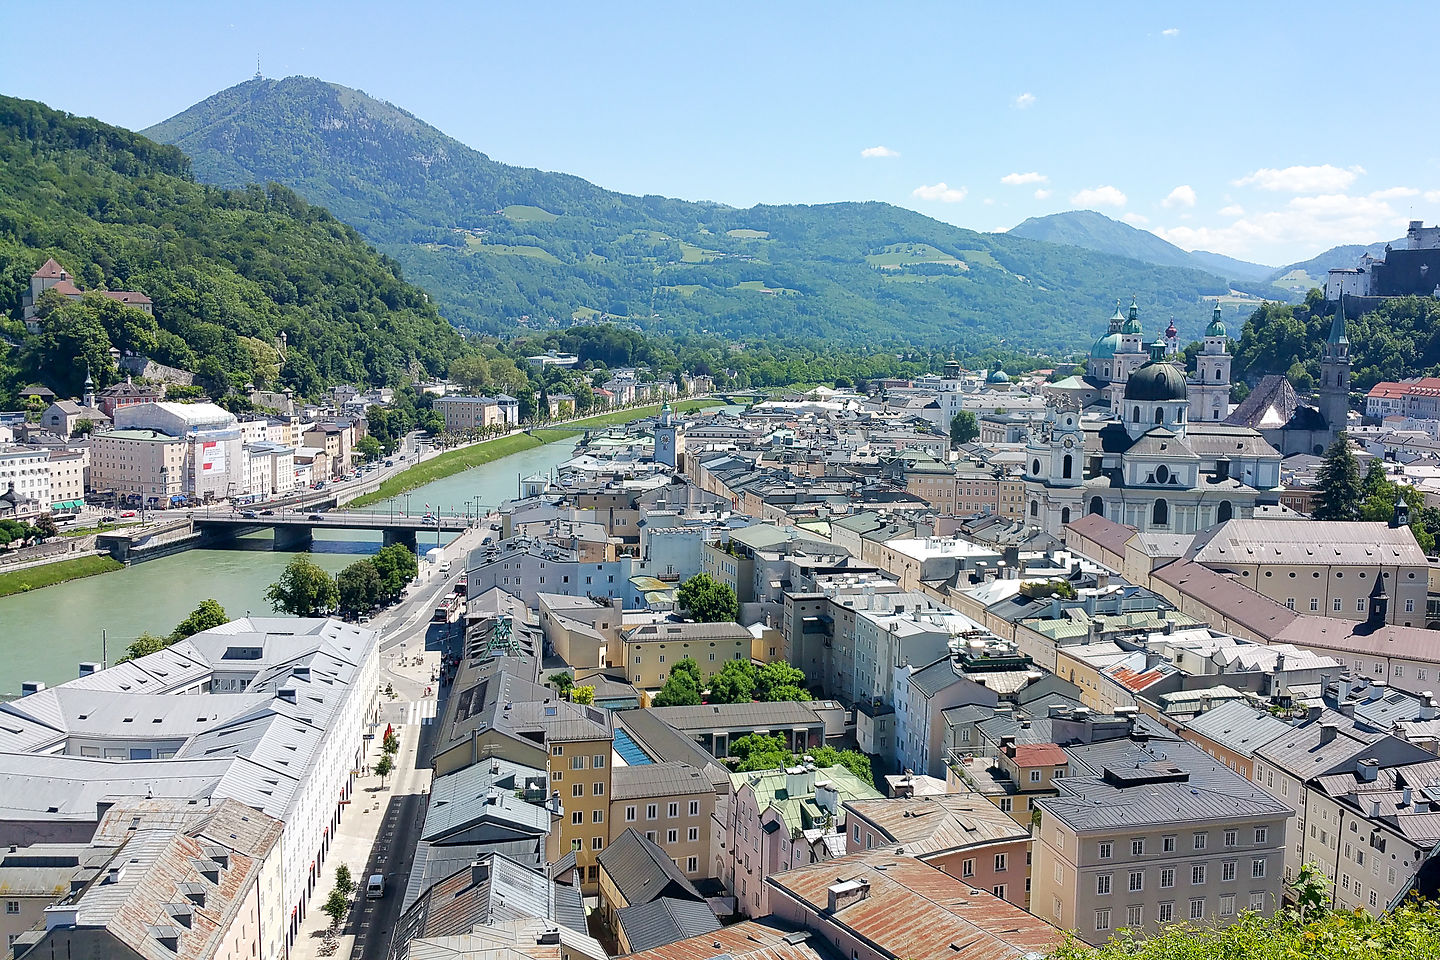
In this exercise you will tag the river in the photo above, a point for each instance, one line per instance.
(46, 634)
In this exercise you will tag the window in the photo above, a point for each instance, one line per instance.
(557, 751)
(967, 867)
(1197, 908)
(1167, 878)
(1134, 915)
(1227, 870)
(577, 844)
(1257, 869)
(651, 811)
(1314, 606)
(599, 790)
(1102, 919)
(1102, 885)
(672, 811)
(1360, 605)
(693, 835)
(1165, 912)
(1336, 605)
(629, 814)
(12, 906)
(692, 864)
(694, 808)
(598, 761)
(1257, 901)
(577, 817)
(1197, 875)
(1137, 881)
(1231, 837)
(1168, 844)
(672, 836)
(597, 843)
(577, 763)
(1262, 834)
(1200, 839)
(578, 790)
(1227, 905)
(1005, 805)
(1034, 776)
(1137, 848)
(1372, 898)
(597, 816)
(1160, 514)
(1107, 849)
(1002, 862)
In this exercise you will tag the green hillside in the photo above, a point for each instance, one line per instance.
(229, 271)
(504, 247)
(1095, 231)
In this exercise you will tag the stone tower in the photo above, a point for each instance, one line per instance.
(1210, 393)
(1335, 375)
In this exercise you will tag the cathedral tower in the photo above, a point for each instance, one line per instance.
(1335, 374)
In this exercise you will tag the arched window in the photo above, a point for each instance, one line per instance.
(1097, 506)
(1180, 415)
(1065, 515)
(1135, 414)
(1066, 467)
(1034, 508)
(1162, 474)
(1160, 515)
(1225, 512)
(1035, 467)
(1217, 373)
(1159, 414)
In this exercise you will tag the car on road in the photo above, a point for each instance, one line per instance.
(107, 519)
(428, 518)
(375, 887)
(267, 513)
(389, 463)
(316, 516)
(128, 513)
(248, 514)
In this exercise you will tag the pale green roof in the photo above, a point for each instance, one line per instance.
(800, 813)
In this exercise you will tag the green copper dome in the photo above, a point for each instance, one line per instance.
(1217, 326)
(1105, 347)
(1132, 322)
(999, 376)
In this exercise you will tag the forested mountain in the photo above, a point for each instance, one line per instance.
(229, 271)
(1345, 255)
(502, 247)
(1230, 267)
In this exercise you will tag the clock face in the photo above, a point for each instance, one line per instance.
(665, 440)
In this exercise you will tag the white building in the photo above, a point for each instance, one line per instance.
(213, 465)
(27, 469)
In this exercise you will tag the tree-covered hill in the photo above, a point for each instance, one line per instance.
(503, 246)
(229, 271)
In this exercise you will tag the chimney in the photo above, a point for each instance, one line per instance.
(28, 687)
(1324, 685)
(1367, 769)
(1377, 691)
(1374, 809)
(1313, 712)
(828, 798)
(1405, 797)
(1347, 709)
(799, 781)
(550, 935)
(843, 894)
(61, 915)
(1327, 732)
(1430, 709)
(1280, 663)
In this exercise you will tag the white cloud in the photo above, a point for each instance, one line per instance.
(1171, 32)
(1301, 228)
(1325, 178)
(941, 192)
(1025, 100)
(871, 153)
(1043, 194)
(1234, 210)
(1106, 196)
(1181, 196)
(1136, 219)
(1433, 196)
(1394, 193)
(1020, 179)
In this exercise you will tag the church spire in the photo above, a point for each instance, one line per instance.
(1337, 326)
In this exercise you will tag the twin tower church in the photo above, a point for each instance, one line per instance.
(1142, 442)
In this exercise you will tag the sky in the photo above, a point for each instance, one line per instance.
(1264, 131)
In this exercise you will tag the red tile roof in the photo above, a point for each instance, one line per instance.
(1104, 531)
(748, 940)
(1040, 755)
(50, 270)
(67, 289)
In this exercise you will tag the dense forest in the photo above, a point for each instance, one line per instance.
(502, 247)
(229, 271)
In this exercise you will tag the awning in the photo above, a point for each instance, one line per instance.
(67, 504)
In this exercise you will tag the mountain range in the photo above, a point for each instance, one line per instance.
(505, 248)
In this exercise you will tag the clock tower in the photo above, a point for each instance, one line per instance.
(666, 439)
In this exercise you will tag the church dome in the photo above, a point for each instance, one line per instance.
(1217, 326)
(1105, 347)
(999, 376)
(1156, 380)
(1170, 332)
(1132, 322)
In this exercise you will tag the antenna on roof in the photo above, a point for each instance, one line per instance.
(258, 74)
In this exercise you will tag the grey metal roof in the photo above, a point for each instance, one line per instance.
(657, 780)
(931, 679)
(1303, 751)
(724, 716)
(660, 923)
(642, 872)
(487, 791)
(1237, 726)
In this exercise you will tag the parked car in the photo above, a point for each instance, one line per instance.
(128, 513)
(267, 513)
(248, 514)
(107, 519)
(375, 887)
(316, 516)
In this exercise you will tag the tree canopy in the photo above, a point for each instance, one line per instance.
(1337, 484)
(303, 590)
(964, 427)
(708, 600)
(682, 686)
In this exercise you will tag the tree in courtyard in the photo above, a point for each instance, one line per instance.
(384, 767)
(1338, 491)
(358, 587)
(682, 687)
(143, 646)
(562, 681)
(735, 683)
(583, 694)
(779, 681)
(84, 427)
(708, 600)
(852, 760)
(335, 907)
(208, 615)
(760, 751)
(397, 566)
(964, 427)
(303, 590)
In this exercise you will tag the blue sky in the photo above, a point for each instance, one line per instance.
(1265, 131)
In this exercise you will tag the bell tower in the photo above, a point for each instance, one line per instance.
(1335, 374)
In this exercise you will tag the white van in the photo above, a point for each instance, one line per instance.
(375, 889)
(445, 568)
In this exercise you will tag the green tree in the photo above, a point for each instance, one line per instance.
(964, 427)
(358, 588)
(45, 526)
(852, 760)
(1338, 492)
(397, 566)
(344, 882)
(336, 906)
(708, 600)
(760, 751)
(735, 683)
(779, 681)
(303, 590)
(682, 687)
(142, 646)
(391, 744)
(1309, 890)
(206, 616)
(562, 680)
(369, 448)
(583, 694)
(84, 427)
(384, 767)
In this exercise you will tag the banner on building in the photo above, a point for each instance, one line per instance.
(212, 457)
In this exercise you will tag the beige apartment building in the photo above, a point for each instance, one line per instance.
(1162, 834)
(144, 463)
(669, 804)
(649, 651)
(67, 478)
(967, 490)
(469, 413)
(581, 772)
